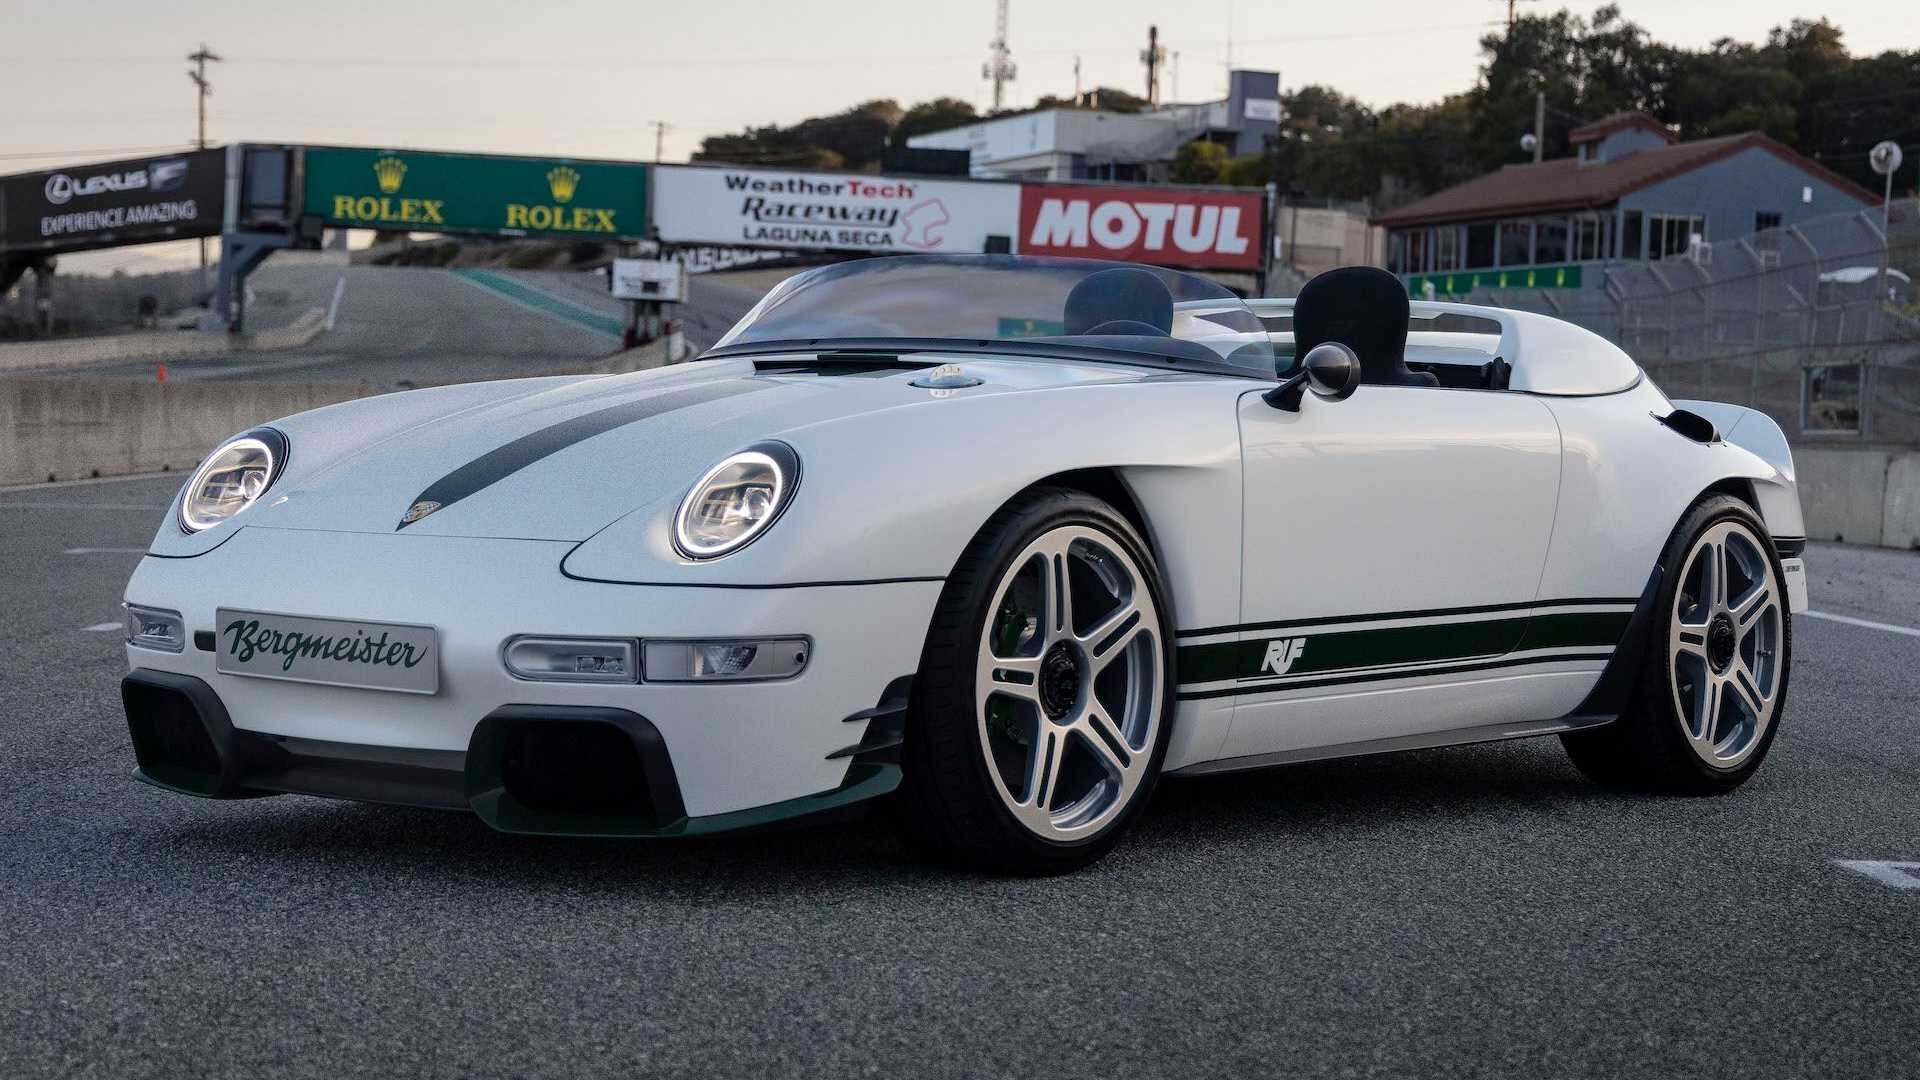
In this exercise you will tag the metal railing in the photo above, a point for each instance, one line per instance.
(1816, 324)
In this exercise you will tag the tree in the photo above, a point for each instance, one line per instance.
(940, 114)
(1199, 162)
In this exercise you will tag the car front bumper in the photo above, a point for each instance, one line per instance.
(731, 754)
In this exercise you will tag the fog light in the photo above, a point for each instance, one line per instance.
(545, 659)
(748, 660)
(155, 628)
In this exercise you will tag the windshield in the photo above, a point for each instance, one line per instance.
(971, 300)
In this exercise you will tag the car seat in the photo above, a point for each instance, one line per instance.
(1364, 308)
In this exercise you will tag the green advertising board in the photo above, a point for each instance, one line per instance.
(1462, 283)
(427, 192)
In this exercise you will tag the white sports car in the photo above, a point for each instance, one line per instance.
(1012, 536)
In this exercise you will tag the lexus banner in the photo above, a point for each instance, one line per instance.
(831, 211)
(1197, 228)
(116, 202)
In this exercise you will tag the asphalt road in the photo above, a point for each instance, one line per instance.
(1464, 912)
(409, 326)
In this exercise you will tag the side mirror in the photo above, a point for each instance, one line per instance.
(1330, 370)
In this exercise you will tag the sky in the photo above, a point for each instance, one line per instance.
(90, 80)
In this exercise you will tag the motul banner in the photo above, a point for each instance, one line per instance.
(1203, 230)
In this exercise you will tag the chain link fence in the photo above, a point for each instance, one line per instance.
(1816, 324)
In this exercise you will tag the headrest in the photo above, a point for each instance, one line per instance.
(1122, 294)
(1362, 307)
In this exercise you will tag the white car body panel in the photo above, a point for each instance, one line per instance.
(1400, 515)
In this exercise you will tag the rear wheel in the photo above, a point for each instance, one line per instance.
(1714, 681)
(1040, 714)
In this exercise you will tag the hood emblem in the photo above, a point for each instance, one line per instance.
(418, 510)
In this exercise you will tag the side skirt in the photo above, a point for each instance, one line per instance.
(1426, 741)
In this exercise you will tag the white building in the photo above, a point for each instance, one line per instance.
(1080, 144)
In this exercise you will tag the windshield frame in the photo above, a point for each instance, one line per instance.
(1125, 350)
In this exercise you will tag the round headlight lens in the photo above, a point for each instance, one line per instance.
(231, 479)
(735, 501)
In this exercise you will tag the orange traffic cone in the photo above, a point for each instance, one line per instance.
(160, 373)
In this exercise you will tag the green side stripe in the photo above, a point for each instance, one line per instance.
(1281, 685)
(1358, 650)
(545, 302)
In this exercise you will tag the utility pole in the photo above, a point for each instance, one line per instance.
(1539, 125)
(660, 129)
(198, 75)
(999, 66)
(1153, 56)
(1076, 80)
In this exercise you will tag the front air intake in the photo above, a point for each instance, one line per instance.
(572, 772)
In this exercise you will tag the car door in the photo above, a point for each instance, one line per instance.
(1392, 548)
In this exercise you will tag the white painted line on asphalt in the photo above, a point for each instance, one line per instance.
(103, 627)
(106, 551)
(1868, 623)
(333, 309)
(1894, 875)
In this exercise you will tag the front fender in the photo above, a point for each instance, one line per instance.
(898, 494)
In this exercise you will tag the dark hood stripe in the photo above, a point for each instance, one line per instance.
(497, 464)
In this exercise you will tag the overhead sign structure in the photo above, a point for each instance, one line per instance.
(137, 201)
(1195, 228)
(433, 192)
(664, 280)
(831, 211)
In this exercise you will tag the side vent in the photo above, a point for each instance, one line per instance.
(1691, 424)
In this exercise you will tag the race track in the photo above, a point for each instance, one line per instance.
(1463, 912)
(409, 326)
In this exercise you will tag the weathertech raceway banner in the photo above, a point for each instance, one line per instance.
(830, 211)
(115, 202)
(1195, 228)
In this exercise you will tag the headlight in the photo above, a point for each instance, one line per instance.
(231, 478)
(736, 500)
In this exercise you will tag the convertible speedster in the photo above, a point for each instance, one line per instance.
(1003, 539)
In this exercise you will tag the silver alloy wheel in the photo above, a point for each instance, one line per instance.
(1068, 685)
(1723, 653)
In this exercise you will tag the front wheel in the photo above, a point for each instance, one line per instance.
(1040, 715)
(1714, 682)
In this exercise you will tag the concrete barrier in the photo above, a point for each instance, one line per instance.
(157, 345)
(1859, 495)
(68, 429)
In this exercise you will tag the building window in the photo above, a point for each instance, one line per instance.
(1830, 399)
(1397, 252)
(1764, 220)
(1592, 237)
(1480, 246)
(1669, 235)
(1417, 250)
(1446, 247)
(1550, 240)
(1516, 243)
(1630, 233)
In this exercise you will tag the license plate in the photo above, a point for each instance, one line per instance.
(335, 652)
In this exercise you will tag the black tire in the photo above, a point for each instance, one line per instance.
(952, 810)
(1647, 747)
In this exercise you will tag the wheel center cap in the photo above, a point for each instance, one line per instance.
(1059, 680)
(1720, 643)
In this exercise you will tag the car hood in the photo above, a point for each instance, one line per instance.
(560, 462)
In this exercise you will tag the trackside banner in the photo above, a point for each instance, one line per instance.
(1198, 229)
(830, 211)
(430, 192)
(115, 202)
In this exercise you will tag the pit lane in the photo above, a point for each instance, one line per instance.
(1469, 911)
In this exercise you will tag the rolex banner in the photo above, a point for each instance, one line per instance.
(427, 192)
